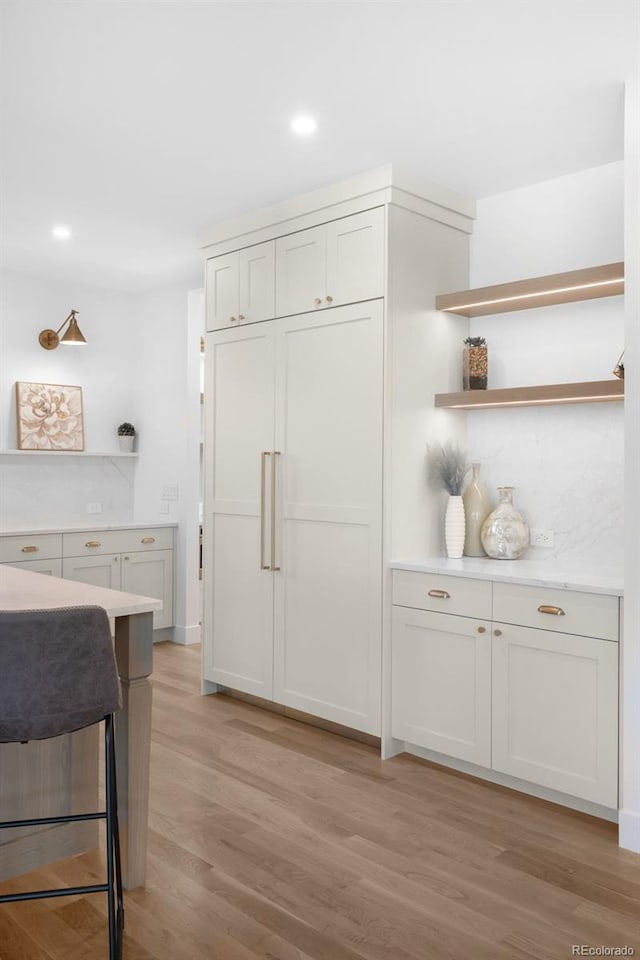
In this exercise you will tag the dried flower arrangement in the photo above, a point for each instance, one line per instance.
(447, 464)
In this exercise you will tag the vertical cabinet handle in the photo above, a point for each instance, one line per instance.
(276, 453)
(263, 470)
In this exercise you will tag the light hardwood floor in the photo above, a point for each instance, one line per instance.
(272, 839)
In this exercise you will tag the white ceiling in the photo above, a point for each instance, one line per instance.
(140, 122)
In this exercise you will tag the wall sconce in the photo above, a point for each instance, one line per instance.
(49, 339)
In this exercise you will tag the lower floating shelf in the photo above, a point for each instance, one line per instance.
(593, 391)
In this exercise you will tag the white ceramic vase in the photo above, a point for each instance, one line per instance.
(477, 507)
(126, 444)
(454, 525)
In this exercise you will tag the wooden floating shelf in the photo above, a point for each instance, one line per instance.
(63, 453)
(589, 284)
(593, 391)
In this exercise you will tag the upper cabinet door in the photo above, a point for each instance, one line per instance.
(355, 258)
(257, 269)
(301, 272)
(223, 306)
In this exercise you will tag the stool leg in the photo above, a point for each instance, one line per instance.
(116, 845)
(108, 751)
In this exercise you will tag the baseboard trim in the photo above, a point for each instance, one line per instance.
(188, 635)
(629, 830)
(513, 783)
(301, 716)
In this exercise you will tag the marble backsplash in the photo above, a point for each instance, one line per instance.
(567, 470)
(47, 491)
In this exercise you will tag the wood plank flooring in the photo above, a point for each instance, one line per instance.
(272, 839)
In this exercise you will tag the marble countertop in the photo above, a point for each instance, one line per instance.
(587, 578)
(80, 528)
(24, 590)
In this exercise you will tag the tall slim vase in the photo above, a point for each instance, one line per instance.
(477, 507)
(454, 528)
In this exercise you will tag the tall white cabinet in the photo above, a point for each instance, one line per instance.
(302, 414)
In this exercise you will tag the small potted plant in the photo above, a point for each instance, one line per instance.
(475, 364)
(126, 437)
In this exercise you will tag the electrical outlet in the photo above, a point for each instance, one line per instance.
(163, 507)
(169, 491)
(94, 508)
(542, 538)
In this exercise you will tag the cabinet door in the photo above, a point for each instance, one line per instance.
(222, 291)
(51, 567)
(101, 571)
(441, 683)
(327, 640)
(150, 574)
(555, 711)
(257, 269)
(355, 257)
(238, 593)
(301, 272)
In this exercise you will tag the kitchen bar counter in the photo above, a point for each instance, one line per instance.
(63, 771)
(583, 578)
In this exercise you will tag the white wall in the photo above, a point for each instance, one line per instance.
(565, 462)
(40, 491)
(167, 401)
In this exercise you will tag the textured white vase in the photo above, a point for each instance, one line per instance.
(454, 525)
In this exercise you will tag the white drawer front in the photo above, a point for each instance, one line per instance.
(565, 611)
(51, 567)
(37, 546)
(96, 542)
(442, 594)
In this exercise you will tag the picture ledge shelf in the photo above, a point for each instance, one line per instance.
(63, 453)
(593, 391)
(588, 284)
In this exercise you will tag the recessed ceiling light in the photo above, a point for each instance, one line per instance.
(61, 232)
(304, 125)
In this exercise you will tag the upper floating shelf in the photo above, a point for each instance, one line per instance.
(603, 281)
(594, 391)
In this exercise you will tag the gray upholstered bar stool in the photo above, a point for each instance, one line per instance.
(58, 674)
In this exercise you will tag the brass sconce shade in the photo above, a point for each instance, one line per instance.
(49, 339)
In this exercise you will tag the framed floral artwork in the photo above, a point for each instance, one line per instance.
(49, 417)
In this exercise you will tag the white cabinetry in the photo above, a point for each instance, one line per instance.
(555, 711)
(137, 560)
(537, 704)
(301, 412)
(441, 683)
(332, 264)
(241, 287)
(293, 533)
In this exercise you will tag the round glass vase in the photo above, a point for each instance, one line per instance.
(504, 534)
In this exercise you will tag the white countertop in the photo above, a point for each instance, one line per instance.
(536, 573)
(24, 590)
(80, 528)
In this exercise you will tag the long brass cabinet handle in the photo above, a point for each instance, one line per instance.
(148, 540)
(93, 543)
(276, 453)
(554, 611)
(263, 470)
(30, 549)
(440, 594)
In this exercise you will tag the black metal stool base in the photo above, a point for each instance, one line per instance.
(113, 886)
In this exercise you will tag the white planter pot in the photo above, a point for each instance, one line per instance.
(126, 444)
(454, 525)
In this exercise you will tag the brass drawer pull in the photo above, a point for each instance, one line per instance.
(554, 611)
(93, 543)
(439, 594)
(148, 540)
(482, 629)
(30, 549)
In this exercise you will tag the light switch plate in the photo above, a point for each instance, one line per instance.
(169, 491)
(94, 508)
(164, 507)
